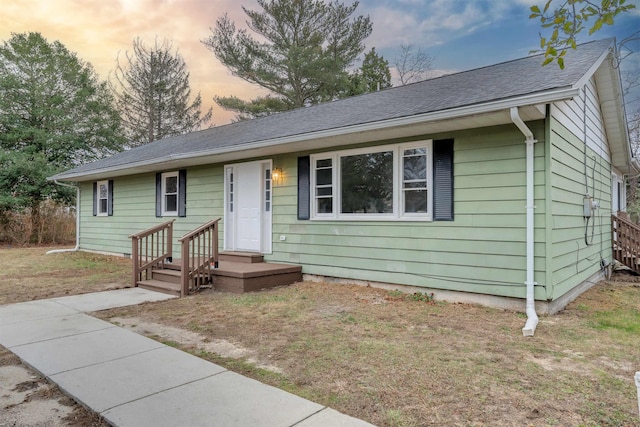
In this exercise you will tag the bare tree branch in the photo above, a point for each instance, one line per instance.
(412, 65)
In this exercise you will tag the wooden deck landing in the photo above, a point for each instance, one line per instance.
(237, 272)
(239, 277)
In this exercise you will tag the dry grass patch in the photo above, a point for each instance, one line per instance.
(28, 274)
(409, 361)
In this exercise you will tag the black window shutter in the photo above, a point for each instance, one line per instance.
(443, 180)
(182, 192)
(158, 195)
(304, 190)
(95, 199)
(110, 199)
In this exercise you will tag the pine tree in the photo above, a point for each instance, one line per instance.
(54, 114)
(304, 59)
(153, 94)
(373, 75)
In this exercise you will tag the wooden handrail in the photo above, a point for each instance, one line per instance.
(150, 248)
(151, 230)
(625, 237)
(199, 251)
(198, 230)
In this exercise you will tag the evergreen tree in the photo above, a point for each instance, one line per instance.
(153, 94)
(54, 114)
(307, 49)
(375, 72)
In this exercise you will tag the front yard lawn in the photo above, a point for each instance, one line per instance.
(388, 358)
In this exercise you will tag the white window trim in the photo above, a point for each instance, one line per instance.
(98, 198)
(398, 214)
(165, 175)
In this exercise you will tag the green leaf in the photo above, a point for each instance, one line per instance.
(546, 6)
(561, 63)
(543, 41)
(535, 9)
(554, 35)
(596, 26)
(547, 61)
(608, 18)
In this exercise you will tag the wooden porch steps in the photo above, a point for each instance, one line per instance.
(626, 241)
(160, 286)
(243, 257)
(237, 272)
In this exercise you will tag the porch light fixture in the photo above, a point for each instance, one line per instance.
(276, 175)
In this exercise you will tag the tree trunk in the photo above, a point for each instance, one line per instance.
(36, 227)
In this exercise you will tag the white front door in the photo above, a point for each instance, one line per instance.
(248, 207)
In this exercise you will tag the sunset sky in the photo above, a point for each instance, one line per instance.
(460, 34)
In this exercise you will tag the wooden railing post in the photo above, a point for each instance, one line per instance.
(135, 261)
(184, 272)
(170, 239)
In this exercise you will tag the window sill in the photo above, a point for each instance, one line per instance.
(359, 218)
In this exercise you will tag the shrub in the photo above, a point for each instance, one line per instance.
(56, 224)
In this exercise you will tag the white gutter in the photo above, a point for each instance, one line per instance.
(469, 110)
(75, 249)
(532, 317)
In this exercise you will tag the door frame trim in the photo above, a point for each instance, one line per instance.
(266, 218)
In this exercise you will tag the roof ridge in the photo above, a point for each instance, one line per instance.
(444, 76)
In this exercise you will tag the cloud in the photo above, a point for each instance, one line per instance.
(99, 30)
(430, 23)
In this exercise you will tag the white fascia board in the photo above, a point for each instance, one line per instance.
(617, 118)
(592, 70)
(461, 112)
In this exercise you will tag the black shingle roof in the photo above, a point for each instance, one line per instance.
(506, 80)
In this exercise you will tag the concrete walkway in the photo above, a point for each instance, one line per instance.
(132, 380)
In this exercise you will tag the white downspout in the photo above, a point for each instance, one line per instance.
(532, 316)
(75, 249)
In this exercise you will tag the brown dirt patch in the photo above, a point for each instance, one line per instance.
(27, 399)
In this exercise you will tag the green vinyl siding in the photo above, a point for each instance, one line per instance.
(482, 250)
(134, 201)
(572, 260)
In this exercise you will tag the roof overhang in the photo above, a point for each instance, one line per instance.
(531, 107)
(609, 84)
